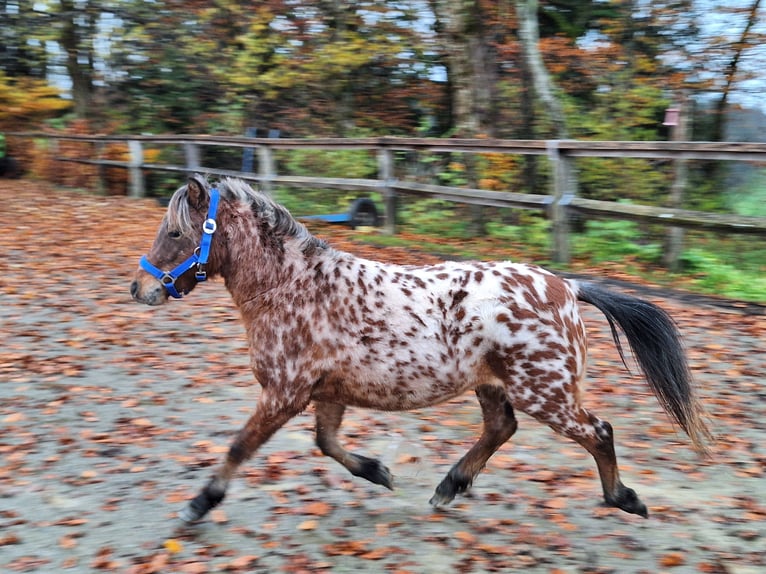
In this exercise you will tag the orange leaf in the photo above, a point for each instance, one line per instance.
(672, 559)
(218, 516)
(241, 562)
(194, 568)
(556, 503)
(308, 525)
(317, 509)
(466, 537)
(67, 542)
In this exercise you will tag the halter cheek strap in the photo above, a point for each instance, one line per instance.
(198, 258)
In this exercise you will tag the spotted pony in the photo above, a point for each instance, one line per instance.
(332, 329)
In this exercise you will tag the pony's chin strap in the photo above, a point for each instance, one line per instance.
(198, 258)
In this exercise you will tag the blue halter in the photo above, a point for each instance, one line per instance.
(198, 258)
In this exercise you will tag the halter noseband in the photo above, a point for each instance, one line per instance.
(198, 258)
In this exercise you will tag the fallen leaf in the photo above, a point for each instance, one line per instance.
(173, 546)
(240, 563)
(317, 509)
(308, 525)
(9, 539)
(193, 568)
(218, 515)
(67, 542)
(466, 537)
(672, 559)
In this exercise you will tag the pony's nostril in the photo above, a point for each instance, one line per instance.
(134, 289)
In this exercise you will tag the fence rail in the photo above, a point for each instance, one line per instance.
(559, 205)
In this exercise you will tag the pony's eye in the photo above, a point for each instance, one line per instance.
(174, 234)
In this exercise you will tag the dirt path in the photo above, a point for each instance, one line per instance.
(112, 414)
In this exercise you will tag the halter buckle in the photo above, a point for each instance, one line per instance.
(209, 226)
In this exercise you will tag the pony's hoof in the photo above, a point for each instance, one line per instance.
(201, 504)
(453, 484)
(190, 515)
(384, 477)
(628, 500)
(439, 500)
(374, 471)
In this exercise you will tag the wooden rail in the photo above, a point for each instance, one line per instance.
(558, 205)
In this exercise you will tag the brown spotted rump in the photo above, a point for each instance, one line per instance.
(328, 327)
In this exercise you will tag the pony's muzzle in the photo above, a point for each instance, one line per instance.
(154, 295)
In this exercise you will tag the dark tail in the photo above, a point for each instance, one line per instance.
(656, 345)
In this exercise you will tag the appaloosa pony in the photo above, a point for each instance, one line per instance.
(327, 327)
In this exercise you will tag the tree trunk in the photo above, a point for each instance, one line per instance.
(470, 66)
(527, 105)
(529, 36)
(79, 60)
(564, 176)
(472, 80)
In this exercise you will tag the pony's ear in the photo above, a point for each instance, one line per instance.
(197, 191)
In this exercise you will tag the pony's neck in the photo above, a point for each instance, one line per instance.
(259, 259)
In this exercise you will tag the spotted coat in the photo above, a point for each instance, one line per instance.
(329, 327)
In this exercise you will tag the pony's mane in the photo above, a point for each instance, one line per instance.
(278, 219)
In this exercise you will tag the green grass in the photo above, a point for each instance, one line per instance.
(750, 197)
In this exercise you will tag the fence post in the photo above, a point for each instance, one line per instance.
(247, 153)
(101, 187)
(674, 236)
(135, 176)
(564, 189)
(386, 176)
(266, 168)
(192, 155)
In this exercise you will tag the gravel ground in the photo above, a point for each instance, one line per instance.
(113, 415)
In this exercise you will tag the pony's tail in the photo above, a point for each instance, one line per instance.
(656, 345)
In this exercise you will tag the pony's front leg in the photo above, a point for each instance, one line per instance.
(271, 413)
(329, 417)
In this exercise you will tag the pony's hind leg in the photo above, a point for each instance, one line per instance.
(328, 419)
(499, 425)
(597, 438)
(270, 415)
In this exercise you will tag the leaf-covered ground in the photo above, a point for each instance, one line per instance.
(112, 415)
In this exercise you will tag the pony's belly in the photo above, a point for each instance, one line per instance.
(384, 401)
(395, 391)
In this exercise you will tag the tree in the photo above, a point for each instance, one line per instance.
(464, 30)
(529, 36)
(77, 22)
(27, 101)
(22, 51)
(313, 67)
(746, 40)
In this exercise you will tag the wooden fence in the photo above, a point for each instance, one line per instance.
(559, 205)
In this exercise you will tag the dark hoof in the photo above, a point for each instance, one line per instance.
(438, 500)
(374, 471)
(452, 485)
(628, 500)
(201, 504)
(192, 513)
